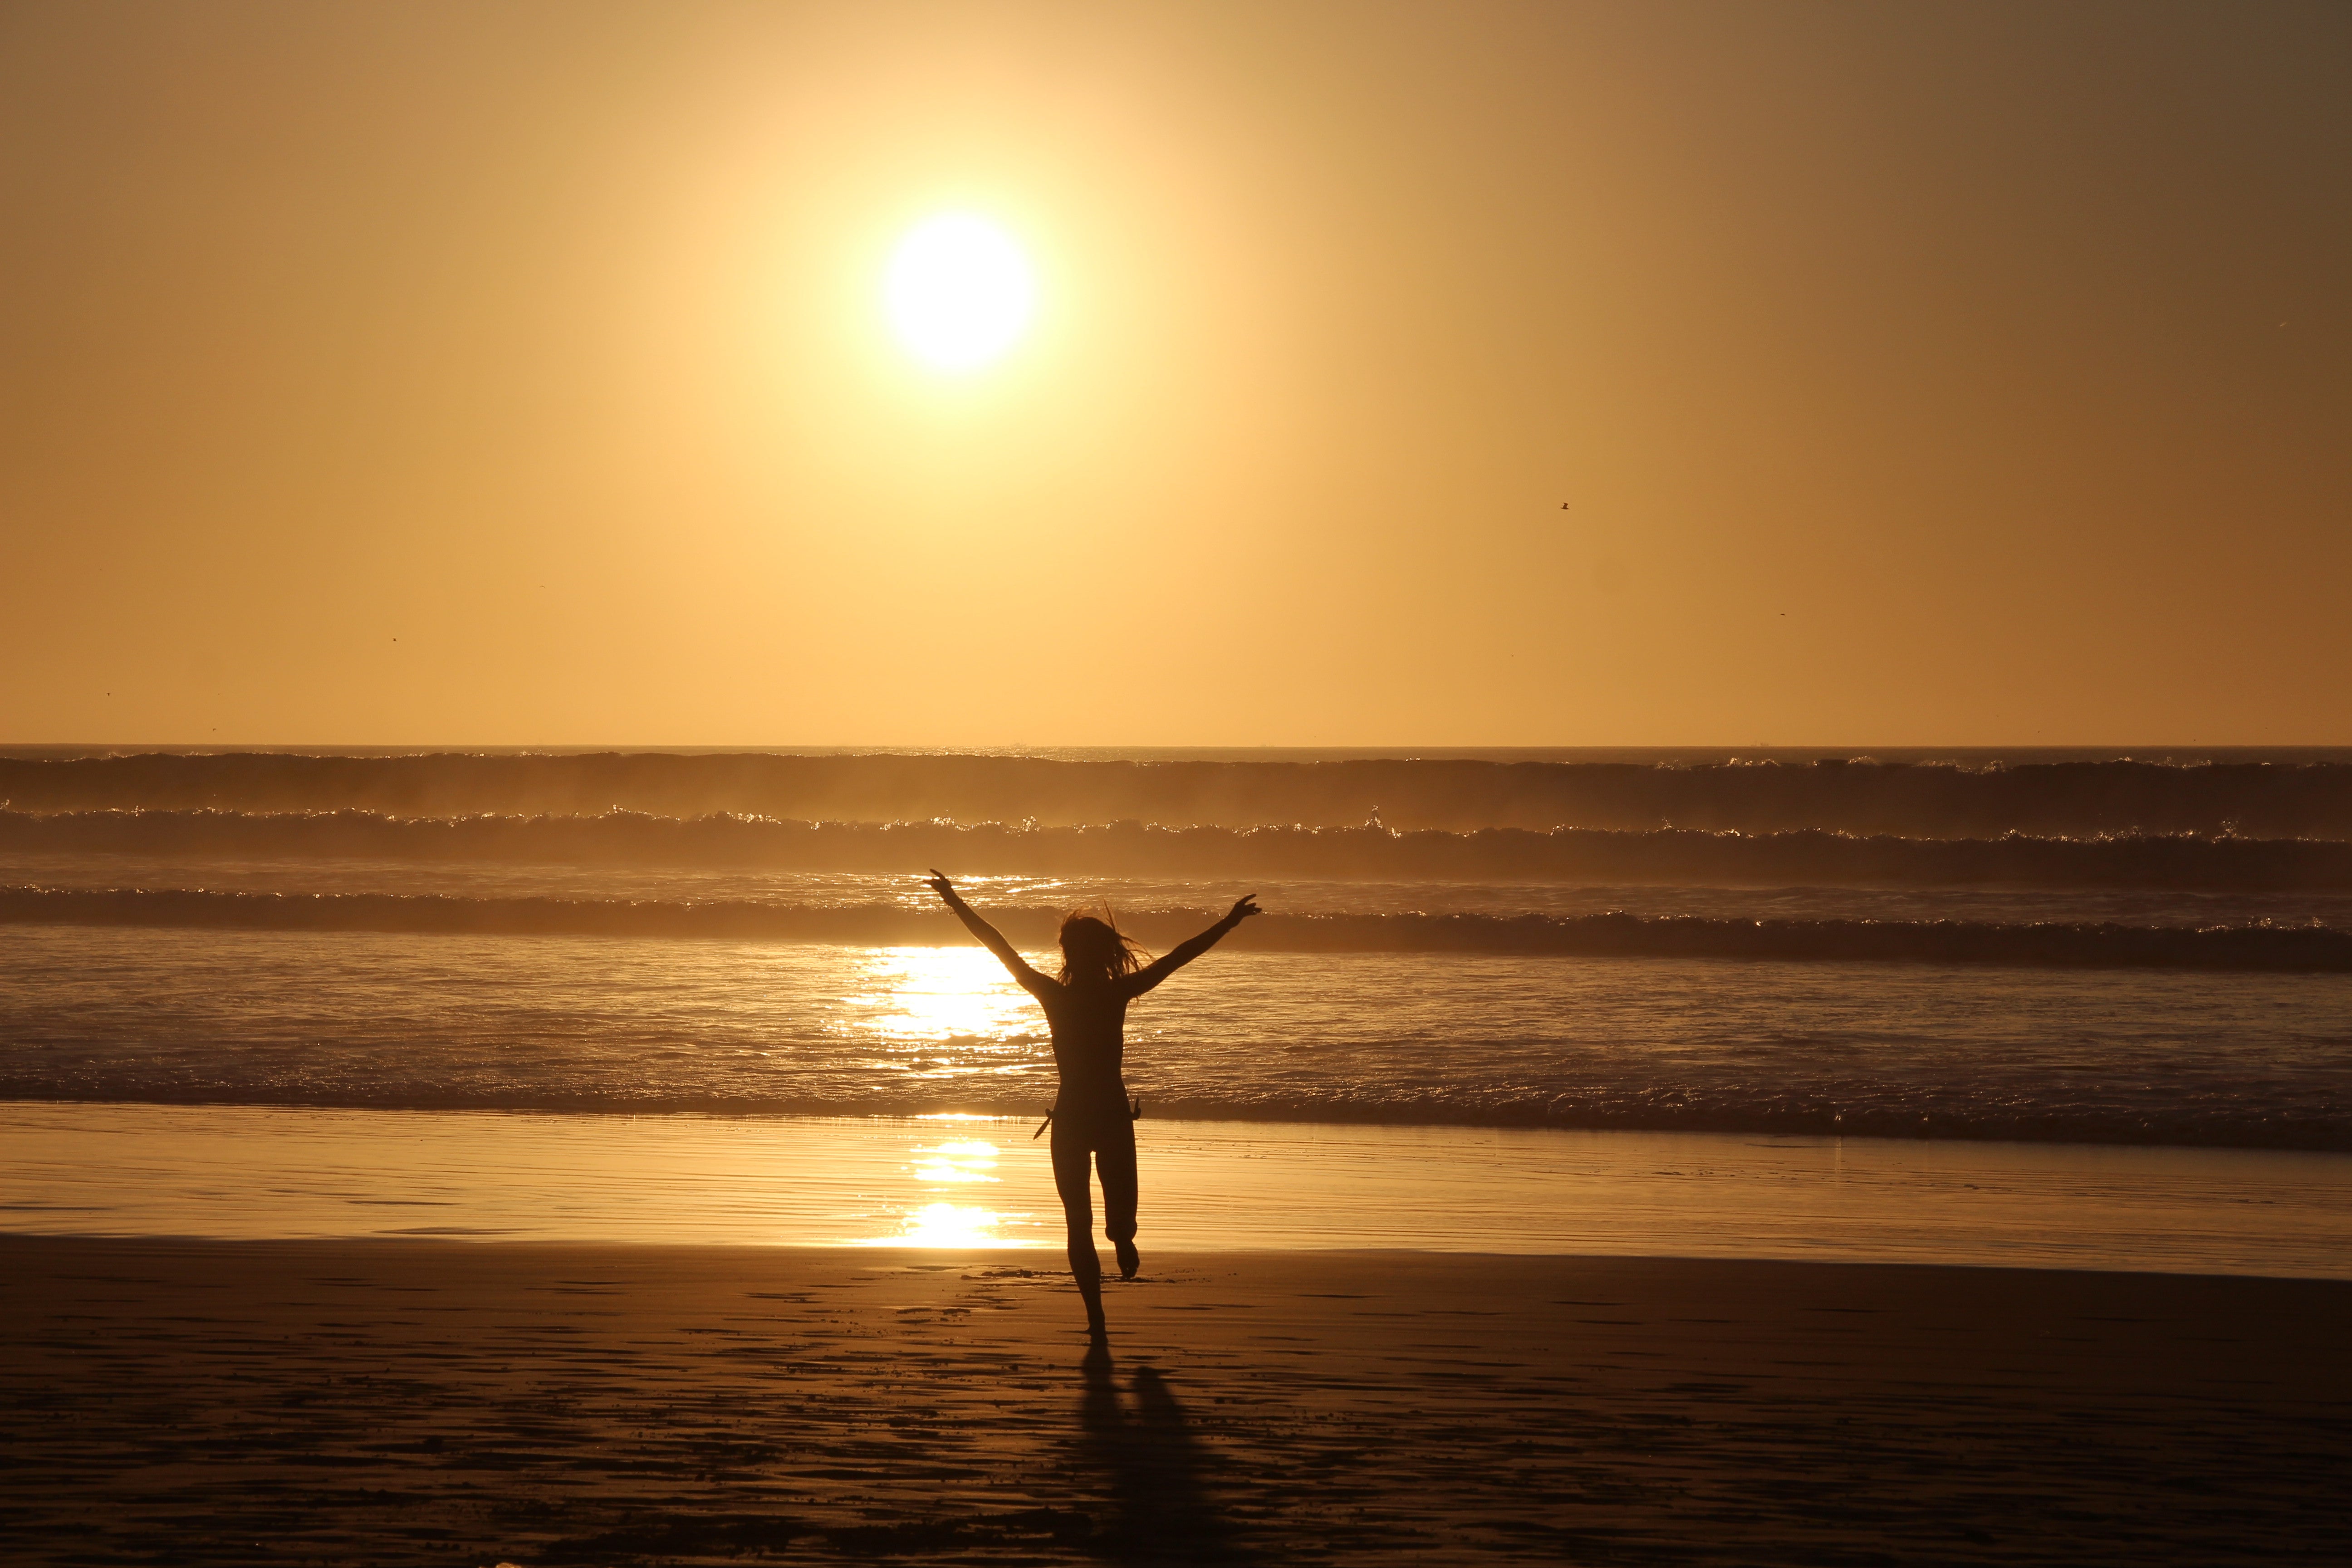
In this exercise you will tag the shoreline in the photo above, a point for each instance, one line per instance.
(421, 1402)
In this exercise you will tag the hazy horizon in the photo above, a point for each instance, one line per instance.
(1665, 753)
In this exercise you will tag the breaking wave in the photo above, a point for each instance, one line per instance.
(1592, 855)
(2291, 799)
(2259, 947)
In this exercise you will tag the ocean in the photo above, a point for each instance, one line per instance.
(2045, 950)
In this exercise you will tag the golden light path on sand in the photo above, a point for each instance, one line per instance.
(962, 1163)
(972, 1182)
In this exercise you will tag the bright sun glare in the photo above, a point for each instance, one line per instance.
(959, 292)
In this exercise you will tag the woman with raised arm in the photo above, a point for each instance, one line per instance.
(1092, 1120)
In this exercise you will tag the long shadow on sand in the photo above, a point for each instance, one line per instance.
(1156, 1467)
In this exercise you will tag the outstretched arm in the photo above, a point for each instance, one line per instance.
(1184, 952)
(990, 937)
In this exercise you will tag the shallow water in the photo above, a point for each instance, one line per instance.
(582, 1024)
(226, 1172)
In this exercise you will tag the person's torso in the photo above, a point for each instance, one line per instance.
(1090, 1028)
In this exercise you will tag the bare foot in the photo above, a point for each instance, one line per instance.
(1129, 1260)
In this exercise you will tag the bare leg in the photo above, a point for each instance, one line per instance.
(1116, 1160)
(1071, 1160)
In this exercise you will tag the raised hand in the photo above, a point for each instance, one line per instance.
(938, 883)
(1243, 907)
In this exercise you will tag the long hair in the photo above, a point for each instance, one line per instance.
(1095, 952)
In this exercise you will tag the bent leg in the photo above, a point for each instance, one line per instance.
(1071, 1160)
(1116, 1160)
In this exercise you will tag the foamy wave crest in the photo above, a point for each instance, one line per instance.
(1805, 858)
(2261, 799)
(2306, 949)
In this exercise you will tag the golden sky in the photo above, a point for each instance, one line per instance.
(1549, 374)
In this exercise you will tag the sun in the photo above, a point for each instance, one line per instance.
(958, 292)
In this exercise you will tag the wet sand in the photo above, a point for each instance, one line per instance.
(252, 1174)
(416, 1402)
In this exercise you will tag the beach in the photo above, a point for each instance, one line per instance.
(328, 1336)
(439, 1403)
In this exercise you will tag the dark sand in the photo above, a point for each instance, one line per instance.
(451, 1403)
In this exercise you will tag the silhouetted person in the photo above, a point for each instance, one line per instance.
(1093, 1119)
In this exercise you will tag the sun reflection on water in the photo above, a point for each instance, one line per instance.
(956, 1163)
(949, 1225)
(944, 1014)
(942, 993)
